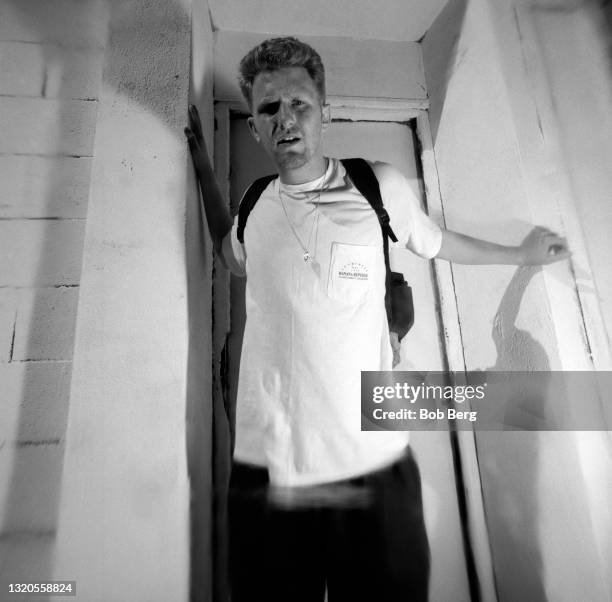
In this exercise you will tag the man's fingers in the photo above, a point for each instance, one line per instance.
(194, 122)
(557, 250)
(555, 242)
(554, 245)
(552, 238)
(543, 232)
(191, 139)
(557, 257)
(544, 246)
(197, 154)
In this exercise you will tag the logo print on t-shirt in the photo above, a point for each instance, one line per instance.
(353, 271)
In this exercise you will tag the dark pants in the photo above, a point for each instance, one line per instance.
(367, 542)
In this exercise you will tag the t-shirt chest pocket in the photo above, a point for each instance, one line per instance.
(353, 271)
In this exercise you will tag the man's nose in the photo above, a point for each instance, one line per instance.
(285, 116)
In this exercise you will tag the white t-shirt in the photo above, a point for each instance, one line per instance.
(312, 328)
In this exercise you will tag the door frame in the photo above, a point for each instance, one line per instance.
(463, 442)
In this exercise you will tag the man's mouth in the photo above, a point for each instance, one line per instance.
(287, 140)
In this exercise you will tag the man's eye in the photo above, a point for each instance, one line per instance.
(298, 102)
(270, 108)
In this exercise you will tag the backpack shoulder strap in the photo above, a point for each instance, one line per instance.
(251, 196)
(364, 178)
(365, 181)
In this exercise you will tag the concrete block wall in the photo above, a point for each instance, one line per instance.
(105, 284)
(50, 74)
(138, 430)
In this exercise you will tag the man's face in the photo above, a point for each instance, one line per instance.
(288, 118)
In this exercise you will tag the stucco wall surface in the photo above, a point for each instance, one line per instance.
(498, 175)
(574, 46)
(556, 63)
(398, 76)
(399, 20)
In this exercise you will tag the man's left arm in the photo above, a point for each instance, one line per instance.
(541, 246)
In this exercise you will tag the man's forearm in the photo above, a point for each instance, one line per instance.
(217, 214)
(216, 209)
(460, 248)
(540, 247)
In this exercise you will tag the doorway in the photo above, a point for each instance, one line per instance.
(423, 348)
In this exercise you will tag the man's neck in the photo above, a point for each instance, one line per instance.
(307, 173)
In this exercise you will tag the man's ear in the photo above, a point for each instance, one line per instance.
(253, 128)
(325, 116)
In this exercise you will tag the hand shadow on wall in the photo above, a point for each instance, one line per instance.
(509, 460)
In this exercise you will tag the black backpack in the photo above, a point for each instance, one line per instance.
(398, 296)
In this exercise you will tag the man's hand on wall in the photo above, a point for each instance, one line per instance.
(215, 206)
(542, 246)
(197, 144)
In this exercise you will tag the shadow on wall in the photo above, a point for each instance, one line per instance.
(134, 23)
(445, 59)
(31, 509)
(509, 461)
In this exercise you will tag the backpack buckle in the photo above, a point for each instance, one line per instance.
(385, 224)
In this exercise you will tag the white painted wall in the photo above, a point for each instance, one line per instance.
(106, 481)
(124, 522)
(387, 70)
(574, 49)
(399, 20)
(557, 68)
(500, 171)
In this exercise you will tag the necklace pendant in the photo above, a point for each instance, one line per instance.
(307, 257)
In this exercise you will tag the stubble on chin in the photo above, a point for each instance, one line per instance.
(291, 160)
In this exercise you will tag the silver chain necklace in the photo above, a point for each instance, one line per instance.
(307, 256)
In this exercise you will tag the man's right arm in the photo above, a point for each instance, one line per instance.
(216, 209)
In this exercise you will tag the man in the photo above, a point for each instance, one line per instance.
(314, 502)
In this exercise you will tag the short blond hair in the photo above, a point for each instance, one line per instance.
(277, 53)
